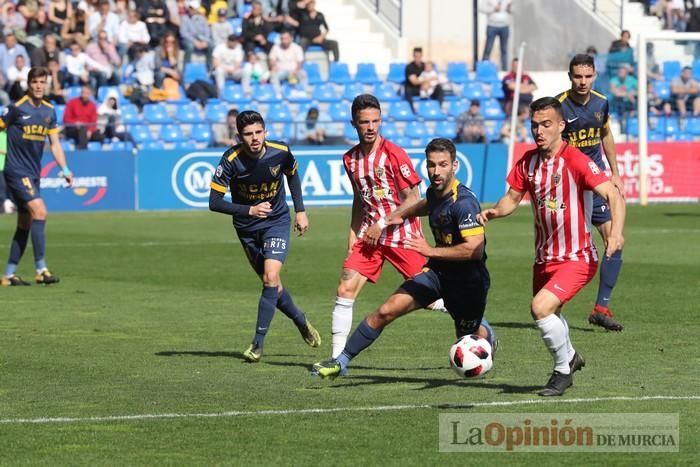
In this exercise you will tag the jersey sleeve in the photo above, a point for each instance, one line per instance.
(464, 213)
(52, 126)
(587, 171)
(223, 173)
(517, 178)
(8, 116)
(290, 165)
(606, 115)
(402, 167)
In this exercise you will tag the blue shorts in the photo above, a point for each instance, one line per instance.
(270, 242)
(22, 190)
(464, 300)
(601, 210)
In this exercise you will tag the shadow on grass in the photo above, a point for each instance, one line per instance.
(682, 214)
(199, 353)
(531, 325)
(432, 383)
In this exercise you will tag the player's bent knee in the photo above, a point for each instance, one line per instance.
(380, 318)
(271, 279)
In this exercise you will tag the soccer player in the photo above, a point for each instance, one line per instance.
(27, 122)
(382, 179)
(588, 128)
(560, 181)
(253, 171)
(456, 268)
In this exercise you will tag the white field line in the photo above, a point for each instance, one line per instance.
(379, 408)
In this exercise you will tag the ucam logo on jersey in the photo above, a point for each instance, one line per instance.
(101, 181)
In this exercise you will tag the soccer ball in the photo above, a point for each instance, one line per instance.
(471, 356)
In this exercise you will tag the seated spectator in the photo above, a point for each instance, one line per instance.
(141, 73)
(177, 10)
(156, 16)
(221, 29)
(621, 44)
(686, 92)
(37, 22)
(12, 21)
(103, 52)
(653, 68)
(522, 132)
(78, 66)
(214, 9)
(413, 83)
(80, 119)
(167, 64)
(104, 20)
(132, 31)
(471, 125)
(255, 71)
(41, 55)
(228, 59)
(313, 30)
(195, 32)
(623, 88)
(527, 88)
(109, 119)
(255, 30)
(655, 104)
(312, 127)
(121, 9)
(9, 51)
(76, 28)
(17, 76)
(286, 62)
(54, 91)
(429, 79)
(226, 134)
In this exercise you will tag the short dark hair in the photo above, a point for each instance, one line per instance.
(442, 145)
(362, 102)
(232, 38)
(37, 72)
(232, 113)
(581, 59)
(248, 117)
(544, 103)
(418, 49)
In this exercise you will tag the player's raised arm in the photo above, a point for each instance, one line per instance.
(612, 195)
(60, 157)
(505, 206)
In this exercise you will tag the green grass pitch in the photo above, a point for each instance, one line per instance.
(154, 310)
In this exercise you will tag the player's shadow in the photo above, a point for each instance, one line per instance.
(355, 367)
(433, 383)
(682, 214)
(513, 325)
(199, 353)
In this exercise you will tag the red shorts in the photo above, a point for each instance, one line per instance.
(563, 279)
(368, 260)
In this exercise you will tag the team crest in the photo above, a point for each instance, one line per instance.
(379, 172)
(275, 170)
(598, 116)
(556, 178)
(594, 168)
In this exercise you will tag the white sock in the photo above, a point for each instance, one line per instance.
(438, 305)
(554, 336)
(341, 324)
(569, 347)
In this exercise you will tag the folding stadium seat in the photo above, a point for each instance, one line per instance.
(94, 146)
(281, 132)
(122, 146)
(188, 112)
(416, 130)
(156, 113)
(140, 133)
(693, 125)
(349, 132)
(669, 126)
(170, 133)
(295, 93)
(671, 69)
(429, 110)
(187, 145)
(367, 74)
(353, 90)
(237, 25)
(486, 71)
(103, 91)
(201, 133)
(656, 136)
(340, 111)
(473, 90)
(397, 73)
(386, 92)
(60, 109)
(264, 93)
(390, 130)
(195, 71)
(457, 72)
(491, 109)
(216, 112)
(405, 142)
(233, 92)
(325, 92)
(339, 73)
(313, 73)
(497, 90)
(455, 108)
(130, 114)
(67, 145)
(401, 110)
(696, 69)
(445, 129)
(279, 112)
(632, 126)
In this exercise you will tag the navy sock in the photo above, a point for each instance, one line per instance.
(363, 336)
(17, 247)
(39, 243)
(286, 305)
(609, 271)
(266, 310)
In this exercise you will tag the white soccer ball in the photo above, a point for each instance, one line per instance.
(471, 356)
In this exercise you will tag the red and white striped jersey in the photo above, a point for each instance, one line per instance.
(378, 178)
(561, 196)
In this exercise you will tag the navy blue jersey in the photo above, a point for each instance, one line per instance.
(253, 181)
(27, 126)
(452, 220)
(584, 123)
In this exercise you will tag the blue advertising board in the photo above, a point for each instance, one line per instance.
(180, 179)
(103, 181)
